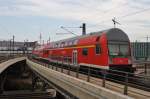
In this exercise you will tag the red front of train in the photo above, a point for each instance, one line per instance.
(109, 49)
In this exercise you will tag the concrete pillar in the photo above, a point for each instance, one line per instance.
(33, 81)
(44, 86)
(1, 88)
(2, 81)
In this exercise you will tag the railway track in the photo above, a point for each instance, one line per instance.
(138, 82)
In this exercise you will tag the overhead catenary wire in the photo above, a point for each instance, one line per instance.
(134, 13)
(68, 30)
(122, 17)
(109, 10)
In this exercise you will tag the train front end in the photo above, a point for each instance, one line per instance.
(119, 51)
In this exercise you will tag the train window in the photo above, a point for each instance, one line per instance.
(62, 44)
(59, 45)
(75, 42)
(118, 49)
(70, 43)
(66, 44)
(85, 51)
(56, 45)
(97, 49)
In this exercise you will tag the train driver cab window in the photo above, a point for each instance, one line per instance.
(85, 51)
(97, 49)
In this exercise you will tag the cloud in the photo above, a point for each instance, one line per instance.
(78, 10)
(99, 12)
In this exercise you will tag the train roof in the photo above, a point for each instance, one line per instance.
(113, 33)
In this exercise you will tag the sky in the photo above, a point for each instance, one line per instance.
(27, 19)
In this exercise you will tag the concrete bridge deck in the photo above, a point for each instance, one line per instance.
(79, 88)
(4, 65)
(131, 91)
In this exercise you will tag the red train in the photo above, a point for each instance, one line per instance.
(108, 49)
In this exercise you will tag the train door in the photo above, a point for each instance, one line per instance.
(74, 57)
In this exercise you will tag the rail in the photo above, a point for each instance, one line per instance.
(104, 78)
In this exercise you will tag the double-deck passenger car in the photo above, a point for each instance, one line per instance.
(108, 49)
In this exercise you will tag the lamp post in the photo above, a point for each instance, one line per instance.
(147, 52)
(10, 47)
(26, 46)
(13, 44)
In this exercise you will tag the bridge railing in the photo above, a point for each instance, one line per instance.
(102, 77)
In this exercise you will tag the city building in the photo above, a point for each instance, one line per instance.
(8, 47)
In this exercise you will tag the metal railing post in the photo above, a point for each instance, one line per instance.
(52, 65)
(62, 67)
(68, 67)
(48, 65)
(145, 68)
(56, 65)
(77, 72)
(88, 78)
(126, 84)
(104, 78)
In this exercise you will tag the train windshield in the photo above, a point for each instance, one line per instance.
(118, 49)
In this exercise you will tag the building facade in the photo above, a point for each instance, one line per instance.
(141, 50)
(16, 47)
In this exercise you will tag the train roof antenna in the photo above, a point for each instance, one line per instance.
(115, 22)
